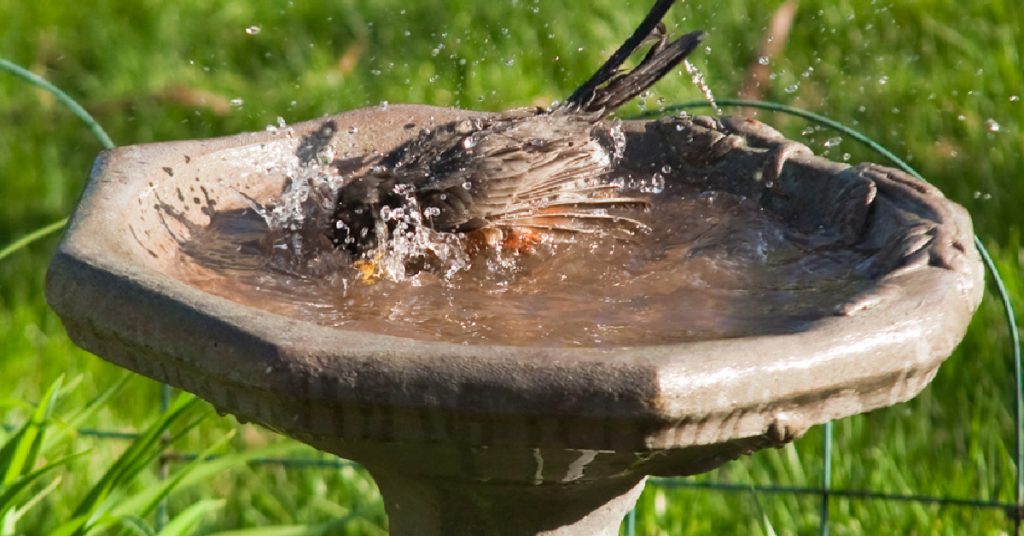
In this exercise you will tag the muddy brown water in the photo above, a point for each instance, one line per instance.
(714, 265)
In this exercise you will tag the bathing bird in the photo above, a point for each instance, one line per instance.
(513, 178)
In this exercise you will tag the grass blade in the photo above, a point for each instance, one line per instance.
(135, 525)
(71, 423)
(9, 493)
(200, 470)
(144, 503)
(19, 453)
(10, 520)
(186, 522)
(142, 452)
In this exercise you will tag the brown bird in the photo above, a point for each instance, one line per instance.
(518, 176)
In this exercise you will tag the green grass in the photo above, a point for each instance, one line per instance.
(925, 78)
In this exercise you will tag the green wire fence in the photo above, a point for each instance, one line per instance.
(1014, 510)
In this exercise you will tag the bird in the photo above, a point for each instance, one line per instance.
(514, 178)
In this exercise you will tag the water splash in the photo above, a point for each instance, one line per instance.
(406, 241)
(698, 80)
(618, 141)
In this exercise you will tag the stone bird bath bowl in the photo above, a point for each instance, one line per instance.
(502, 439)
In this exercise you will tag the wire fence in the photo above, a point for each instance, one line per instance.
(825, 492)
(1014, 510)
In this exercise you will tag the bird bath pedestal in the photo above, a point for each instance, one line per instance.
(481, 439)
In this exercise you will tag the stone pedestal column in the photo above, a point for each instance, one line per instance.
(419, 506)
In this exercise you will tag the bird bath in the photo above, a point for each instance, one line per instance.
(521, 436)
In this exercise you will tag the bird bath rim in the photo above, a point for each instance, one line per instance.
(694, 393)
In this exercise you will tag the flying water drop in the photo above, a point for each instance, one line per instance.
(698, 80)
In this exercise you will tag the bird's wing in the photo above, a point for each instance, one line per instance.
(548, 174)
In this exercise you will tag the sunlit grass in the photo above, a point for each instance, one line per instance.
(927, 79)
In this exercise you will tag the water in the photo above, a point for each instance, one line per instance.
(698, 80)
(713, 265)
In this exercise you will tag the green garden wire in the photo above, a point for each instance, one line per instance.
(37, 234)
(80, 113)
(64, 99)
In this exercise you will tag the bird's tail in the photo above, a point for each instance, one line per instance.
(609, 88)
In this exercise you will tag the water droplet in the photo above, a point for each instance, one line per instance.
(666, 169)
(698, 80)
(353, 130)
(792, 88)
(883, 80)
(1014, 98)
(961, 117)
(253, 30)
(384, 105)
(237, 102)
(762, 60)
(832, 142)
(618, 142)
(846, 157)
(510, 62)
(991, 125)
(655, 186)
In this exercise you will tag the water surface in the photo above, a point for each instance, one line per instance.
(713, 265)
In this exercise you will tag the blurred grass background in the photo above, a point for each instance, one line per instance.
(940, 83)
